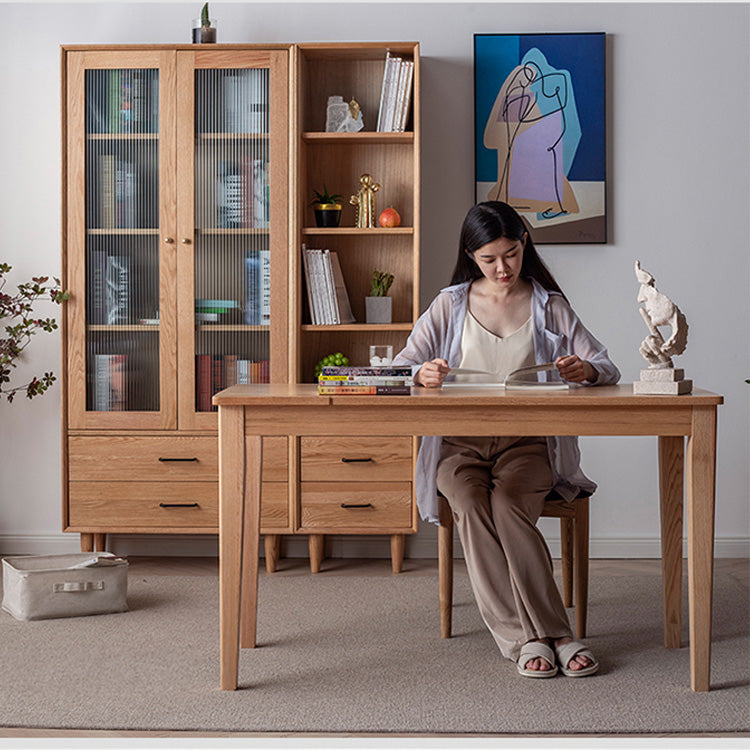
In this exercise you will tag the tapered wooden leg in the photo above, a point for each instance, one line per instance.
(671, 460)
(231, 517)
(272, 543)
(566, 560)
(701, 484)
(87, 542)
(251, 541)
(316, 542)
(100, 542)
(397, 552)
(581, 564)
(445, 567)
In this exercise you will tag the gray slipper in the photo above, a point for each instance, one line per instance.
(567, 652)
(536, 650)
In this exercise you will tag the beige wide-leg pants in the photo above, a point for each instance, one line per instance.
(496, 487)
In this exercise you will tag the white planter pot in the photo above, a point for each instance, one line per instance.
(378, 309)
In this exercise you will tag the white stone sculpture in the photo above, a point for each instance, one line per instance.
(659, 310)
(343, 117)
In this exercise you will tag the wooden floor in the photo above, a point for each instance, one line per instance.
(738, 569)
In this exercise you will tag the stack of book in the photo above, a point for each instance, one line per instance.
(393, 380)
(108, 288)
(395, 94)
(122, 101)
(214, 373)
(117, 193)
(242, 194)
(326, 290)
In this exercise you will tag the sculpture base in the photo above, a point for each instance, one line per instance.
(667, 380)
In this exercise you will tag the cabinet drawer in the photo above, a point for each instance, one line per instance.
(136, 504)
(340, 459)
(128, 505)
(156, 459)
(356, 506)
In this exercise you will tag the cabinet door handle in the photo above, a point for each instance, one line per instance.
(356, 460)
(179, 505)
(185, 241)
(169, 240)
(356, 505)
(163, 459)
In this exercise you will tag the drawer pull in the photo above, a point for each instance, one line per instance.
(179, 505)
(355, 460)
(356, 505)
(161, 458)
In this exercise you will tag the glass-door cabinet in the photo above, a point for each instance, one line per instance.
(232, 159)
(176, 231)
(120, 196)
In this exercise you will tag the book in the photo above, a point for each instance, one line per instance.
(258, 288)
(107, 191)
(343, 309)
(363, 380)
(96, 271)
(117, 289)
(406, 101)
(402, 371)
(328, 290)
(308, 284)
(203, 382)
(109, 382)
(388, 92)
(364, 390)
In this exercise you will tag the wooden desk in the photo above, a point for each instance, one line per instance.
(246, 413)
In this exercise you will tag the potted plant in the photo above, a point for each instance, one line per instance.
(18, 308)
(327, 208)
(204, 32)
(378, 307)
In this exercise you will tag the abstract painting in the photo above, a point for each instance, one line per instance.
(540, 144)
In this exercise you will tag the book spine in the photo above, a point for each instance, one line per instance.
(343, 306)
(117, 289)
(407, 95)
(364, 390)
(117, 385)
(308, 283)
(252, 286)
(107, 192)
(363, 380)
(203, 382)
(381, 108)
(264, 291)
(328, 289)
(345, 370)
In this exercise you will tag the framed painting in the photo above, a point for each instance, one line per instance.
(539, 123)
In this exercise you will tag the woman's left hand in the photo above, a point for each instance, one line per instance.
(574, 369)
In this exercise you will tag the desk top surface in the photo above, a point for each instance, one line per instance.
(306, 394)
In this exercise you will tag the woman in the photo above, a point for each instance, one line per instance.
(504, 310)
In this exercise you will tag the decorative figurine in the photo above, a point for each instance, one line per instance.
(342, 117)
(364, 200)
(659, 310)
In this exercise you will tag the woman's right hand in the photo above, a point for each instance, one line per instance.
(432, 374)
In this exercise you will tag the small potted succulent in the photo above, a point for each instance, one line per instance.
(378, 306)
(327, 208)
(204, 28)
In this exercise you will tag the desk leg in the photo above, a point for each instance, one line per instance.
(250, 540)
(231, 511)
(701, 487)
(671, 460)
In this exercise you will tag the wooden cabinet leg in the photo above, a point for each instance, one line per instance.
(100, 542)
(317, 544)
(272, 543)
(397, 552)
(87, 542)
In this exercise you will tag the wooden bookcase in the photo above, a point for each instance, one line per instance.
(381, 472)
(162, 148)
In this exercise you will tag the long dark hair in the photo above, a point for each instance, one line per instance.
(490, 221)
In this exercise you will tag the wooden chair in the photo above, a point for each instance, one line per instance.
(574, 540)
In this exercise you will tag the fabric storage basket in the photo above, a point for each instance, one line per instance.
(47, 586)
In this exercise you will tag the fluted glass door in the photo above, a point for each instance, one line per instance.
(230, 256)
(120, 233)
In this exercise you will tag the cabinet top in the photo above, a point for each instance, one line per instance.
(175, 47)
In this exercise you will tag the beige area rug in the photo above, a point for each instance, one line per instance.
(362, 653)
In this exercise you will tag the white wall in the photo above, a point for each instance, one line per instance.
(679, 195)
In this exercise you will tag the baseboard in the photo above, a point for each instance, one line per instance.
(423, 545)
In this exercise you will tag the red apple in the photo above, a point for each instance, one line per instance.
(389, 218)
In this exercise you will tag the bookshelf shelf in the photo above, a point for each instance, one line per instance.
(124, 328)
(232, 136)
(356, 231)
(122, 136)
(234, 328)
(231, 231)
(357, 327)
(121, 232)
(362, 136)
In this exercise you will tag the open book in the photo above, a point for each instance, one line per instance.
(513, 380)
